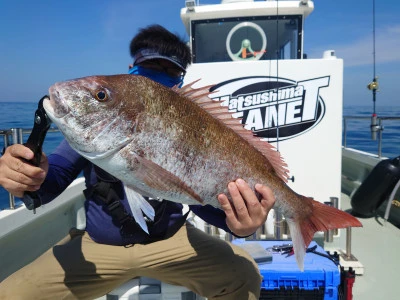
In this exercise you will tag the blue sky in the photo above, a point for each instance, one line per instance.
(43, 41)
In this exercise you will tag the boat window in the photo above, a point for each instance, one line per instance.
(250, 38)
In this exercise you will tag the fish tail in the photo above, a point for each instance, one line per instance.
(322, 218)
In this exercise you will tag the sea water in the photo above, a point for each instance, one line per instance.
(21, 115)
(359, 133)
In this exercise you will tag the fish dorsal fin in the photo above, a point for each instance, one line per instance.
(200, 96)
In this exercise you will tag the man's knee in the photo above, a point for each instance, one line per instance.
(244, 279)
(250, 274)
(250, 277)
(16, 288)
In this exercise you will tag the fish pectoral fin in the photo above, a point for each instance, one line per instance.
(299, 246)
(163, 181)
(138, 206)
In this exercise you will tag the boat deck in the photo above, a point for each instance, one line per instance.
(376, 246)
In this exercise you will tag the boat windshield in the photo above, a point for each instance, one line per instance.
(247, 38)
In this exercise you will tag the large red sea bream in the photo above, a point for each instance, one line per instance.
(179, 145)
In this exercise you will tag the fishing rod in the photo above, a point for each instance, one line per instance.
(277, 74)
(278, 215)
(374, 85)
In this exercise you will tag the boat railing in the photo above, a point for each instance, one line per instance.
(16, 136)
(376, 128)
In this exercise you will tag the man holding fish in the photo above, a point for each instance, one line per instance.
(151, 238)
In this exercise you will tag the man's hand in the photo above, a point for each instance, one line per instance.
(246, 213)
(17, 175)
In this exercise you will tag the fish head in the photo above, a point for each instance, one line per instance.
(96, 114)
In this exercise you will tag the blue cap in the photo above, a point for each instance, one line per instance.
(147, 54)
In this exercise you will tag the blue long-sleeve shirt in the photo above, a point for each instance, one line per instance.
(65, 165)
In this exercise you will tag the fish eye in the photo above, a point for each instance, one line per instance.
(101, 95)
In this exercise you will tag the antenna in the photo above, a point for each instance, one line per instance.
(373, 86)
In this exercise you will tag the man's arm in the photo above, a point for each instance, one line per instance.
(244, 214)
(17, 175)
(65, 164)
(52, 176)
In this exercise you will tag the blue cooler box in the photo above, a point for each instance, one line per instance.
(282, 279)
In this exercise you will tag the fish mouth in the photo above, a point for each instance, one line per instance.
(56, 107)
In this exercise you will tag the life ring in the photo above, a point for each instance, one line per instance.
(246, 43)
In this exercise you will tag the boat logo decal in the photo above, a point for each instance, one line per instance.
(274, 108)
